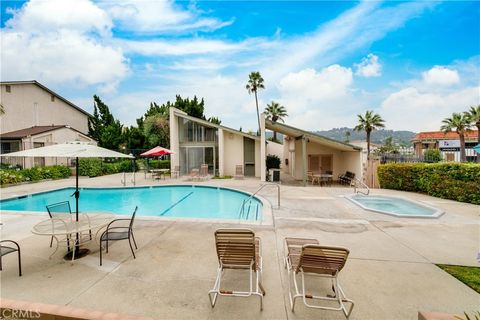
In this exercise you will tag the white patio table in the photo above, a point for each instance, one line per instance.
(319, 177)
(71, 232)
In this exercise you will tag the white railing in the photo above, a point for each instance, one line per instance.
(249, 199)
(358, 185)
(132, 180)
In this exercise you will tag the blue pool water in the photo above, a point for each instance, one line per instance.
(395, 206)
(166, 201)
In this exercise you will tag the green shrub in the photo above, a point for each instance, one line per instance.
(96, 167)
(455, 181)
(432, 155)
(273, 162)
(158, 164)
(33, 174)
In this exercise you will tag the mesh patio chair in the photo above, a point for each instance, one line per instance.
(115, 233)
(239, 172)
(9, 246)
(346, 178)
(238, 249)
(62, 211)
(175, 172)
(307, 258)
(204, 172)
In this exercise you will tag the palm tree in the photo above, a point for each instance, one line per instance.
(368, 123)
(474, 115)
(275, 112)
(255, 82)
(2, 109)
(460, 123)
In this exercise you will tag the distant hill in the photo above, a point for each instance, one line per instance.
(378, 136)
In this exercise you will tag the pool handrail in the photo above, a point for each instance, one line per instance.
(362, 184)
(242, 208)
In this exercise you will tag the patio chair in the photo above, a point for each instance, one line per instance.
(194, 174)
(239, 172)
(9, 246)
(203, 172)
(307, 258)
(346, 178)
(115, 233)
(238, 249)
(62, 211)
(310, 176)
(175, 172)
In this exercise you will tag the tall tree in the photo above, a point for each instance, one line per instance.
(369, 122)
(460, 123)
(474, 116)
(275, 112)
(255, 82)
(347, 136)
(156, 131)
(103, 126)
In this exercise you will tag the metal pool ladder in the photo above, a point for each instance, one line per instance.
(249, 200)
(357, 184)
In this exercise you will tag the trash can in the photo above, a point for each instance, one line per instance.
(275, 175)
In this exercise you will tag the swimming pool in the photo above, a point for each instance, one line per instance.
(394, 206)
(163, 201)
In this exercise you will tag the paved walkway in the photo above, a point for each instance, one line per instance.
(390, 273)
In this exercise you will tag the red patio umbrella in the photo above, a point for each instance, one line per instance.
(157, 151)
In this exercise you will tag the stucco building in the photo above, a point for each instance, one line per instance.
(35, 116)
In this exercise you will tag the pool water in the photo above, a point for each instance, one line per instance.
(395, 206)
(166, 201)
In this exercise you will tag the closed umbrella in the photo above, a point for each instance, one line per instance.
(75, 149)
(157, 151)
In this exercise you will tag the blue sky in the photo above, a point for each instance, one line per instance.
(412, 62)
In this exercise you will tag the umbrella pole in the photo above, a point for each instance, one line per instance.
(79, 253)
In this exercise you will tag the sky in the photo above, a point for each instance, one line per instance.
(414, 63)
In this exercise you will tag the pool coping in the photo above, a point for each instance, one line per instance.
(266, 220)
(437, 214)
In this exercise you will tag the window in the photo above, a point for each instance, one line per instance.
(52, 97)
(8, 88)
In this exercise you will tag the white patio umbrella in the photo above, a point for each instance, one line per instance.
(75, 149)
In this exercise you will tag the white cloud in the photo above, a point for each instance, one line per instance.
(369, 67)
(39, 16)
(423, 110)
(441, 76)
(141, 16)
(52, 41)
(330, 83)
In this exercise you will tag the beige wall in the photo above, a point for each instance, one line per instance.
(53, 137)
(232, 152)
(28, 105)
(341, 162)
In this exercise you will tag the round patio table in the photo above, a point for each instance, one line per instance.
(66, 229)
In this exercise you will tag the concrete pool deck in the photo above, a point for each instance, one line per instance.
(391, 272)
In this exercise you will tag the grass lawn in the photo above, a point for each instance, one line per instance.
(468, 275)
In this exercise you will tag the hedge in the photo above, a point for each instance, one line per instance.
(97, 167)
(11, 176)
(454, 181)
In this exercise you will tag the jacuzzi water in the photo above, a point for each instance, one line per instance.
(395, 206)
(166, 201)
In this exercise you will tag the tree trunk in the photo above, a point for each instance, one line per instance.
(463, 158)
(258, 113)
(368, 145)
(478, 140)
(275, 136)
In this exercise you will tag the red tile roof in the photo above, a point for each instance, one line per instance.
(439, 135)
